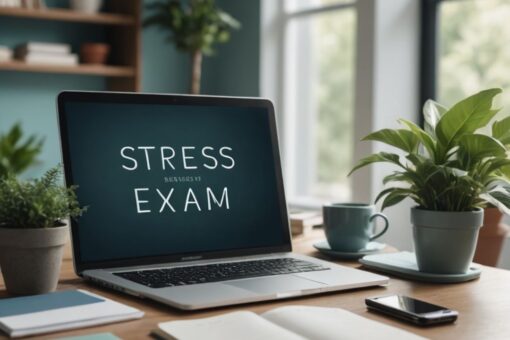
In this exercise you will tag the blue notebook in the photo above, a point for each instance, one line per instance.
(39, 303)
(37, 314)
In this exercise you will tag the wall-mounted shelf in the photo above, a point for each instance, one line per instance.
(92, 70)
(69, 15)
(122, 24)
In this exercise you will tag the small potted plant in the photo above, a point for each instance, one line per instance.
(452, 172)
(33, 232)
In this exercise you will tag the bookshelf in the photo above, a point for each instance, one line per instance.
(122, 22)
(69, 15)
(82, 69)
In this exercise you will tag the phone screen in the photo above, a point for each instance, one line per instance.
(408, 304)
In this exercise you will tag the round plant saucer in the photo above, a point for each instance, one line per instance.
(371, 248)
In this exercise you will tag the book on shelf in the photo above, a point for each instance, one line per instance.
(43, 47)
(303, 222)
(284, 323)
(49, 59)
(10, 3)
(45, 313)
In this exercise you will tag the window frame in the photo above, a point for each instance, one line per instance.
(284, 17)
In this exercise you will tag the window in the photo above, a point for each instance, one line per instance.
(472, 53)
(318, 96)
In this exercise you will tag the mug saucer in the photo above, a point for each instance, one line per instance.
(371, 248)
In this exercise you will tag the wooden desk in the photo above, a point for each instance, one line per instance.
(484, 304)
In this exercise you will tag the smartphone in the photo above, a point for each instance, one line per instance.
(411, 310)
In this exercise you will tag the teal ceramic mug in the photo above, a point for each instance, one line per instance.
(350, 226)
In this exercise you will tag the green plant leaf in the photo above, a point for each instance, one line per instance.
(466, 116)
(377, 158)
(39, 203)
(402, 139)
(499, 199)
(432, 113)
(501, 130)
(475, 147)
(394, 197)
(424, 137)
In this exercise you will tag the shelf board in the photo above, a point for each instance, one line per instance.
(68, 15)
(92, 70)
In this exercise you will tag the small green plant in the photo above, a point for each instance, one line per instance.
(195, 27)
(16, 155)
(39, 203)
(448, 166)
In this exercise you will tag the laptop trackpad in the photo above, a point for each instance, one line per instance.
(276, 284)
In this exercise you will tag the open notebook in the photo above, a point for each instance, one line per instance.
(285, 323)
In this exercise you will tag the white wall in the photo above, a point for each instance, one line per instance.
(387, 83)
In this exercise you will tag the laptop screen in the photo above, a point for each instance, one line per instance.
(172, 179)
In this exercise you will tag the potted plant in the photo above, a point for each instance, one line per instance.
(195, 28)
(32, 231)
(452, 172)
(16, 154)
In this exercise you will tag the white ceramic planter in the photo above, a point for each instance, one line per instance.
(87, 6)
(30, 259)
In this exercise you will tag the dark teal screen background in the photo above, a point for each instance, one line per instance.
(112, 229)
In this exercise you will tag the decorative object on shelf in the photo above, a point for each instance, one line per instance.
(33, 4)
(94, 53)
(195, 28)
(32, 231)
(16, 154)
(491, 238)
(86, 6)
(452, 172)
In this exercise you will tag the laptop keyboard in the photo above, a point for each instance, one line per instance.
(169, 277)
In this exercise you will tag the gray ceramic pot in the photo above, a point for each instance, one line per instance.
(30, 259)
(445, 242)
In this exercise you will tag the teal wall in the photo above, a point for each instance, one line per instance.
(234, 70)
(30, 98)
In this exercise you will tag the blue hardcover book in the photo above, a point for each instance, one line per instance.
(29, 315)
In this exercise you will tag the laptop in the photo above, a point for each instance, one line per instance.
(185, 200)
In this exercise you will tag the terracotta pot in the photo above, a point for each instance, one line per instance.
(94, 53)
(491, 239)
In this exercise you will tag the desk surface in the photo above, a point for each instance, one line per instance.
(483, 305)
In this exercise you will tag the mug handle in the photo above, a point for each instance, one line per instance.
(386, 225)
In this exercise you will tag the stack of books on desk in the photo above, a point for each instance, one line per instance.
(303, 222)
(5, 54)
(46, 53)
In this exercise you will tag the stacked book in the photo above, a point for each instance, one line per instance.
(303, 222)
(46, 53)
(10, 3)
(5, 53)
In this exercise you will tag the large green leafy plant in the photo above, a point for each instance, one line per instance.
(17, 154)
(449, 165)
(39, 203)
(195, 27)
